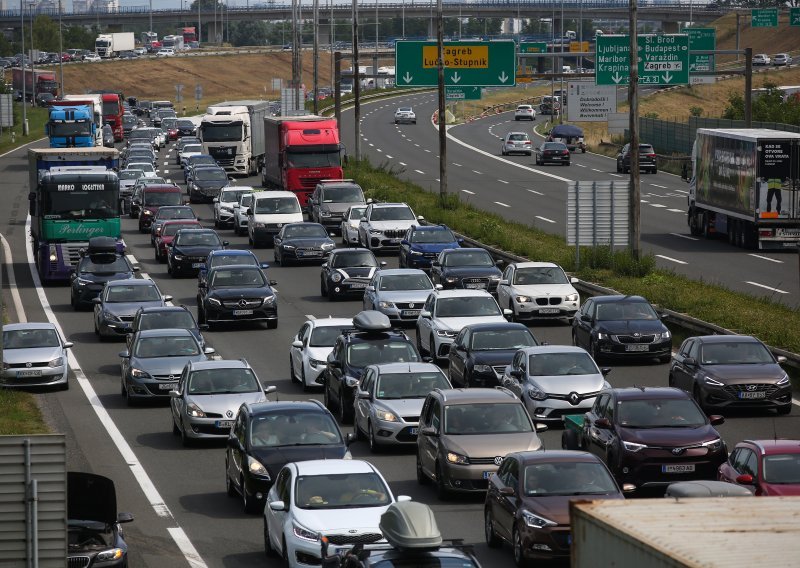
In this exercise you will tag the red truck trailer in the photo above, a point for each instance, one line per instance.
(35, 82)
(299, 152)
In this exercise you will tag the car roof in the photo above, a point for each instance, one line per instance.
(131, 282)
(463, 250)
(726, 339)
(220, 364)
(516, 133)
(161, 309)
(534, 456)
(260, 408)
(382, 205)
(544, 349)
(304, 223)
(649, 393)
(430, 228)
(778, 446)
(496, 326)
(618, 298)
(331, 322)
(535, 265)
(232, 252)
(414, 367)
(349, 249)
(399, 271)
(182, 222)
(28, 325)
(163, 188)
(166, 332)
(259, 194)
(455, 293)
(477, 395)
(333, 467)
(201, 230)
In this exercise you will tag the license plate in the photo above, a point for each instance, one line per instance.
(474, 286)
(358, 285)
(678, 468)
(243, 312)
(637, 348)
(414, 431)
(167, 386)
(223, 423)
(409, 313)
(549, 310)
(29, 373)
(310, 253)
(756, 394)
(394, 241)
(487, 474)
(197, 264)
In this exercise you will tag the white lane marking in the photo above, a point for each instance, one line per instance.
(371, 145)
(545, 219)
(676, 210)
(660, 186)
(379, 150)
(536, 192)
(502, 181)
(502, 204)
(365, 138)
(682, 191)
(457, 165)
(657, 205)
(402, 163)
(137, 470)
(388, 156)
(428, 151)
(417, 145)
(671, 259)
(644, 201)
(12, 282)
(775, 260)
(477, 172)
(468, 191)
(311, 316)
(420, 172)
(132, 259)
(166, 163)
(437, 179)
(616, 175)
(582, 165)
(596, 170)
(166, 171)
(687, 237)
(778, 290)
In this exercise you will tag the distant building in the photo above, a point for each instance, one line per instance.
(83, 6)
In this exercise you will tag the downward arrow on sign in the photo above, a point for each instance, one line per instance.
(455, 77)
(667, 78)
(616, 77)
(503, 77)
(407, 78)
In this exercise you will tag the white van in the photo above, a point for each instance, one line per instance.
(270, 211)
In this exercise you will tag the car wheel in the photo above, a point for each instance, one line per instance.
(422, 479)
(306, 386)
(345, 415)
(326, 398)
(784, 410)
(664, 359)
(201, 315)
(619, 167)
(185, 439)
(322, 291)
(519, 555)
(492, 540)
(73, 302)
(268, 550)
(441, 489)
(275, 257)
(175, 430)
(250, 502)
(570, 440)
(432, 348)
(671, 380)
(374, 447)
(271, 324)
(123, 390)
(230, 490)
(96, 331)
(594, 352)
(331, 293)
(292, 374)
(285, 553)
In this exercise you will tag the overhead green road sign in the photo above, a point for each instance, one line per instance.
(764, 18)
(701, 39)
(794, 16)
(467, 63)
(662, 59)
(535, 47)
(463, 93)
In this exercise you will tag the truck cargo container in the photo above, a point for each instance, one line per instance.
(233, 133)
(71, 126)
(173, 41)
(301, 151)
(110, 45)
(35, 82)
(745, 184)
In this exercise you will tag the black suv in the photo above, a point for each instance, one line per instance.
(189, 249)
(371, 341)
(268, 435)
(99, 264)
(647, 159)
(469, 268)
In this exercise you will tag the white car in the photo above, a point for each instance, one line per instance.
(761, 59)
(165, 52)
(149, 171)
(92, 58)
(538, 290)
(781, 59)
(399, 293)
(342, 500)
(34, 354)
(310, 348)
(224, 203)
(384, 225)
(240, 212)
(405, 115)
(270, 211)
(525, 112)
(446, 312)
(350, 221)
(189, 150)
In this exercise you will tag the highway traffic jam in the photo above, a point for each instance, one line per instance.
(356, 380)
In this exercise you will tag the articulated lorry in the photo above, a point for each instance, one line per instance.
(745, 185)
(71, 126)
(74, 196)
(93, 100)
(110, 45)
(300, 151)
(112, 113)
(233, 133)
(35, 82)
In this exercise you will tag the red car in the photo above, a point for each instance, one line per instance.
(768, 467)
(167, 233)
(66, 57)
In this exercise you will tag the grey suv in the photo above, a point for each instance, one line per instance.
(464, 434)
(331, 199)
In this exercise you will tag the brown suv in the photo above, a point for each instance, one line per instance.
(464, 434)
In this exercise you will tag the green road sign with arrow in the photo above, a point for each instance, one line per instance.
(662, 59)
(764, 18)
(467, 64)
(463, 93)
(702, 39)
(794, 16)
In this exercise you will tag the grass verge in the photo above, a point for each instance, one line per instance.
(36, 120)
(20, 415)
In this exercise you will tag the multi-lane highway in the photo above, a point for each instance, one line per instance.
(177, 495)
(517, 189)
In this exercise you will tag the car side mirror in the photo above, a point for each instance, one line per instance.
(167, 298)
(334, 364)
(209, 350)
(236, 206)
(745, 479)
(503, 282)
(297, 344)
(507, 491)
(405, 242)
(124, 518)
(136, 268)
(97, 301)
(351, 382)
(225, 243)
(460, 241)
(507, 313)
(716, 419)
(781, 359)
(574, 280)
(273, 282)
(605, 370)
(499, 262)
(68, 344)
(602, 424)
(369, 289)
(270, 389)
(203, 327)
(690, 361)
(586, 318)
(428, 431)
(540, 427)
(249, 211)
(420, 218)
(425, 314)
(438, 287)
(215, 200)
(234, 443)
(435, 263)
(263, 265)
(175, 393)
(277, 505)
(124, 354)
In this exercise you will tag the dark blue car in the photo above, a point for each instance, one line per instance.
(421, 245)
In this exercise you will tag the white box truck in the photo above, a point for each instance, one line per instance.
(110, 45)
(233, 133)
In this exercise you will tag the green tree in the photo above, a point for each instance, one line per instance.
(78, 37)
(769, 106)
(45, 34)
(248, 33)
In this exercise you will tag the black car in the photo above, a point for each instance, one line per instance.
(44, 99)
(189, 249)
(206, 183)
(129, 122)
(621, 326)
(730, 371)
(94, 534)
(647, 159)
(186, 127)
(481, 351)
(229, 257)
(468, 268)
(166, 317)
(237, 293)
(196, 160)
(371, 341)
(169, 213)
(302, 242)
(94, 270)
(268, 435)
(552, 153)
(347, 273)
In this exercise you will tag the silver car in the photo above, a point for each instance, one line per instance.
(389, 401)
(155, 361)
(117, 304)
(350, 222)
(208, 396)
(554, 380)
(399, 293)
(405, 115)
(516, 143)
(34, 354)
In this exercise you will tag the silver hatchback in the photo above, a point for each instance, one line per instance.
(516, 143)
(34, 354)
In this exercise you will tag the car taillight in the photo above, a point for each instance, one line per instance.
(528, 142)
(565, 152)
(651, 155)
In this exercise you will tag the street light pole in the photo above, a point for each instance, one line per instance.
(151, 13)
(316, 56)
(199, 24)
(356, 83)
(60, 49)
(24, 69)
(442, 109)
(33, 66)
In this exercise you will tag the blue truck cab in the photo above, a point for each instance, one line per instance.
(71, 126)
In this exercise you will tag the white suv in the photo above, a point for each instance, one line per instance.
(225, 202)
(446, 312)
(310, 348)
(525, 112)
(538, 290)
(270, 211)
(240, 213)
(384, 225)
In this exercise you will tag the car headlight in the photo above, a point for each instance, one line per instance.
(269, 300)
(451, 279)
(482, 369)
(317, 363)
(523, 299)
(225, 209)
(453, 457)
(255, 468)
(572, 297)
(139, 374)
(324, 213)
(445, 333)
(386, 416)
(709, 380)
(83, 281)
(110, 317)
(147, 212)
(177, 256)
(194, 411)
(214, 302)
(666, 335)
(602, 336)
(289, 247)
(713, 445)
(536, 521)
(535, 393)
(6, 366)
(783, 381)
(328, 246)
(495, 277)
(112, 554)
(303, 533)
(633, 447)
(336, 277)
(416, 253)
(258, 225)
(386, 305)
(57, 362)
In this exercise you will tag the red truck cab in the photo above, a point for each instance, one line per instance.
(112, 114)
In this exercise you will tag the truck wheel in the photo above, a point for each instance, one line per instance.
(705, 226)
(694, 225)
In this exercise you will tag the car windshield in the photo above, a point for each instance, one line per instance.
(561, 364)
(502, 339)
(173, 319)
(197, 239)
(168, 123)
(345, 194)
(152, 347)
(486, 418)
(231, 196)
(380, 351)
(554, 146)
(409, 385)
(159, 198)
(660, 413)
(104, 264)
(237, 277)
(185, 123)
(568, 478)
(539, 275)
(341, 491)
(392, 214)
(357, 212)
(30, 338)
(468, 258)
(782, 468)
(122, 294)
(175, 213)
(615, 311)
(144, 166)
(210, 174)
(131, 174)
(524, 107)
(277, 205)
(203, 159)
(735, 353)
(170, 229)
(192, 148)
(246, 200)
(395, 283)
(234, 259)
(325, 336)
(404, 109)
(293, 428)
(222, 381)
(466, 307)
(432, 236)
(517, 137)
(305, 230)
(354, 258)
